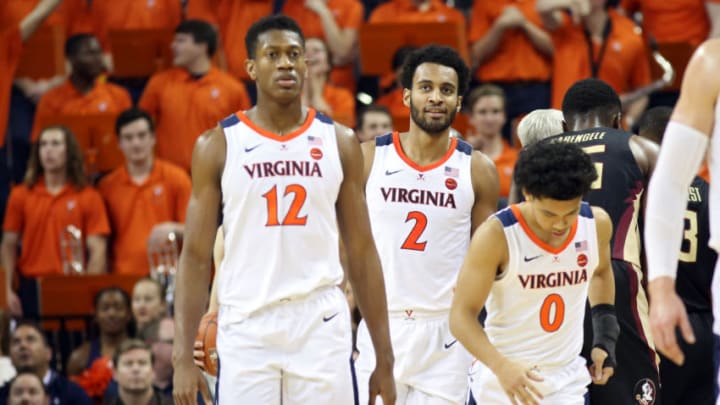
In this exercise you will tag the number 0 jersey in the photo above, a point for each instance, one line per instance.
(536, 307)
(420, 218)
(279, 194)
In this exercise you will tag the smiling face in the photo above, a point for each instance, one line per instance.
(279, 66)
(433, 99)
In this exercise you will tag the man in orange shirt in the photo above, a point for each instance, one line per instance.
(54, 205)
(393, 99)
(487, 105)
(596, 42)
(510, 48)
(373, 121)
(191, 97)
(86, 91)
(690, 21)
(416, 11)
(335, 102)
(146, 199)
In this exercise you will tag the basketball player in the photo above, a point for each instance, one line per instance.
(288, 179)
(695, 119)
(592, 113)
(533, 266)
(426, 193)
(692, 382)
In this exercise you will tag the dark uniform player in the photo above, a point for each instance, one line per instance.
(692, 383)
(624, 162)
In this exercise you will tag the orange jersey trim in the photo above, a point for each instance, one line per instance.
(516, 210)
(406, 159)
(280, 138)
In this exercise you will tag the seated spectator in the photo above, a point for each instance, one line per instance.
(7, 371)
(192, 97)
(31, 353)
(146, 198)
(27, 389)
(90, 364)
(148, 307)
(133, 364)
(162, 350)
(86, 91)
(374, 120)
(335, 102)
(53, 200)
(393, 99)
(487, 117)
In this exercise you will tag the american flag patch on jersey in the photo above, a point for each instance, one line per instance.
(581, 246)
(314, 140)
(451, 171)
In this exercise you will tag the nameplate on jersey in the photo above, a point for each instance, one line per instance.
(418, 196)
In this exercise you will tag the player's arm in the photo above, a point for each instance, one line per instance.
(364, 272)
(32, 21)
(601, 294)
(487, 255)
(97, 254)
(218, 255)
(486, 186)
(193, 276)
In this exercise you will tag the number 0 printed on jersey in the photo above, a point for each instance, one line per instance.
(552, 313)
(292, 217)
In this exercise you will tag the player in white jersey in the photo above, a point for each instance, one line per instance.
(533, 266)
(695, 119)
(288, 179)
(426, 193)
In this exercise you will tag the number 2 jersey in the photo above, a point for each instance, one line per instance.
(421, 220)
(279, 218)
(536, 307)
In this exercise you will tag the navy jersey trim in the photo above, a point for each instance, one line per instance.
(384, 140)
(506, 217)
(323, 118)
(229, 121)
(586, 210)
(464, 147)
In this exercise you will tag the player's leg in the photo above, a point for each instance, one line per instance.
(636, 375)
(249, 368)
(319, 369)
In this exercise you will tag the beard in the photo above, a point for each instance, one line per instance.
(431, 127)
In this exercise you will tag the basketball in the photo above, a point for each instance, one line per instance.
(207, 334)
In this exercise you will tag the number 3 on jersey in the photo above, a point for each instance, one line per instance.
(412, 242)
(292, 217)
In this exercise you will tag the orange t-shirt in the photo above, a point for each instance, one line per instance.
(348, 14)
(40, 218)
(673, 21)
(66, 99)
(515, 59)
(134, 209)
(399, 111)
(134, 14)
(10, 50)
(624, 65)
(206, 10)
(406, 11)
(342, 103)
(72, 15)
(235, 18)
(505, 164)
(185, 107)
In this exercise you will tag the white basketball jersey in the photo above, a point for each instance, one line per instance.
(420, 218)
(536, 308)
(279, 194)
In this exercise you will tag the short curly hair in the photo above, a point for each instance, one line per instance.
(273, 22)
(441, 55)
(591, 97)
(557, 170)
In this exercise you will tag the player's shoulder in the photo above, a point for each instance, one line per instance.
(603, 222)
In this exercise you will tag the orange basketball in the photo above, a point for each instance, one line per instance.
(207, 334)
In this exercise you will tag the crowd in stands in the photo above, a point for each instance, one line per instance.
(70, 205)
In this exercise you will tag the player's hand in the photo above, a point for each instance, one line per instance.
(667, 312)
(511, 17)
(382, 382)
(187, 381)
(599, 374)
(517, 381)
(199, 355)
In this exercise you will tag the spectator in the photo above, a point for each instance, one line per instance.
(511, 49)
(335, 102)
(148, 307)
(134, 374)
(487, 105)
(162, 350)
(53, 201)
(416, 11)
(27, 389)
(86, 90)
(192, 97)
(336, 22)
(601, 44)
(30, 352)
(7, 371)
(393, 99)
(146, 198)
(374, 120)
(690, 21)
(538, 125)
